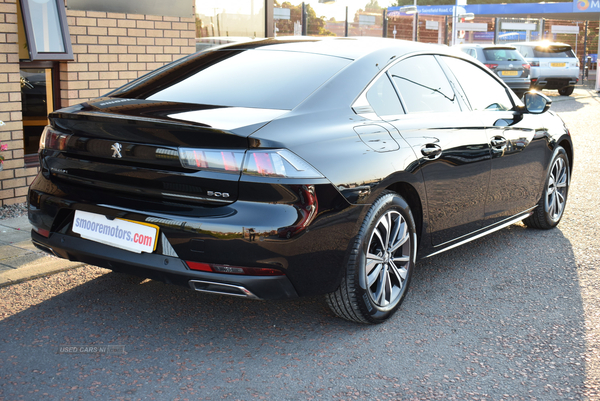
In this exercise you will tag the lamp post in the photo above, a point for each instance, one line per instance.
(304, 20)
(415, 12)
(459, 13)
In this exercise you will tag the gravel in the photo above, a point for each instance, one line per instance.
(11, 211)
(514, 315)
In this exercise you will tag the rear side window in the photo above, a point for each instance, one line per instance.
(249, 78)
(423, 85)
(553, 52)
(383, 98)
(502, 55)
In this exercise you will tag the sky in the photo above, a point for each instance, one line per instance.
(338, 9)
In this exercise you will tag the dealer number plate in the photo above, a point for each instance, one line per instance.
(125, 234)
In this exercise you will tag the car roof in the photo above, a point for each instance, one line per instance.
(480, 46)
(351, 47)
(540, 43)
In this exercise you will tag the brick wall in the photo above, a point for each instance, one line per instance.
(112, 49)
(109, 50)
(13, 177)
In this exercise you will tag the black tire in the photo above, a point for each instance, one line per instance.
(551, 206)
(380, 265)
(566, 91)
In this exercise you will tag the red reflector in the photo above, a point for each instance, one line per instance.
(249, 271)
(533, 79)
(199, 266)
(264, 272)
(41, 231)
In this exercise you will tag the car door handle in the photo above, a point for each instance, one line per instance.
(431, 151)
(498, 142)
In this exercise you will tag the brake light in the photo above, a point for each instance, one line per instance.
(54, 140)
(249, 271)
(527, 66)
(491, 66)
(535, 63)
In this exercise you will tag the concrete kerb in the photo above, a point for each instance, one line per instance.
(19, 260)
(44, 266)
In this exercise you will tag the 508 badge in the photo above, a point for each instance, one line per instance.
(218, 194)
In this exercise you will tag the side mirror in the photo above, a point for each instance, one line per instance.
(536, 103)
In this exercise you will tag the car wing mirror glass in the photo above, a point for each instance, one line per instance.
(536, 103)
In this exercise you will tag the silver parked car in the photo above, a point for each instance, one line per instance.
(553, 65)
(504, 61)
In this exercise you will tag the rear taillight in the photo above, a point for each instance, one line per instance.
(535, 63)
(54, 140)
(491, 66)
(208, 159)
(527, 66)
(278, 163)
(249, 271)
(264, 163)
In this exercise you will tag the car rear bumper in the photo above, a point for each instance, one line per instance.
(245, 234)
(164, 268)
(554, 82)
(518, 84)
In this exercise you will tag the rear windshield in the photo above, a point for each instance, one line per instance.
(553, 52)
(239, 78)
(502, 55)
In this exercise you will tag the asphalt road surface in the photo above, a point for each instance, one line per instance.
(514, 315)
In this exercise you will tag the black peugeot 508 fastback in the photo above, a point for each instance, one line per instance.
(283, 168)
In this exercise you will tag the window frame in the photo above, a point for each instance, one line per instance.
(456, 85)
(34, 54)
(363, 108)
(450, 81)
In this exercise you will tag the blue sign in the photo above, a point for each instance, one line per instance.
(586, 6)
(578, 6)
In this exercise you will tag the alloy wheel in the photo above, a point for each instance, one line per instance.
(556, 195)
(388, 259)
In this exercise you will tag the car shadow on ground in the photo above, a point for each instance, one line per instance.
(503, 311)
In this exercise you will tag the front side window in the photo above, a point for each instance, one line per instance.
(482, 90)
(423, 85)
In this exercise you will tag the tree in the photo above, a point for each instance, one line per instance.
(372, 8)
(315, 25)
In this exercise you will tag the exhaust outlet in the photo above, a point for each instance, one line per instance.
(45, 248)
(221, 289)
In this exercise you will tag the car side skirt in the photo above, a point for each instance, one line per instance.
(480, 233)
